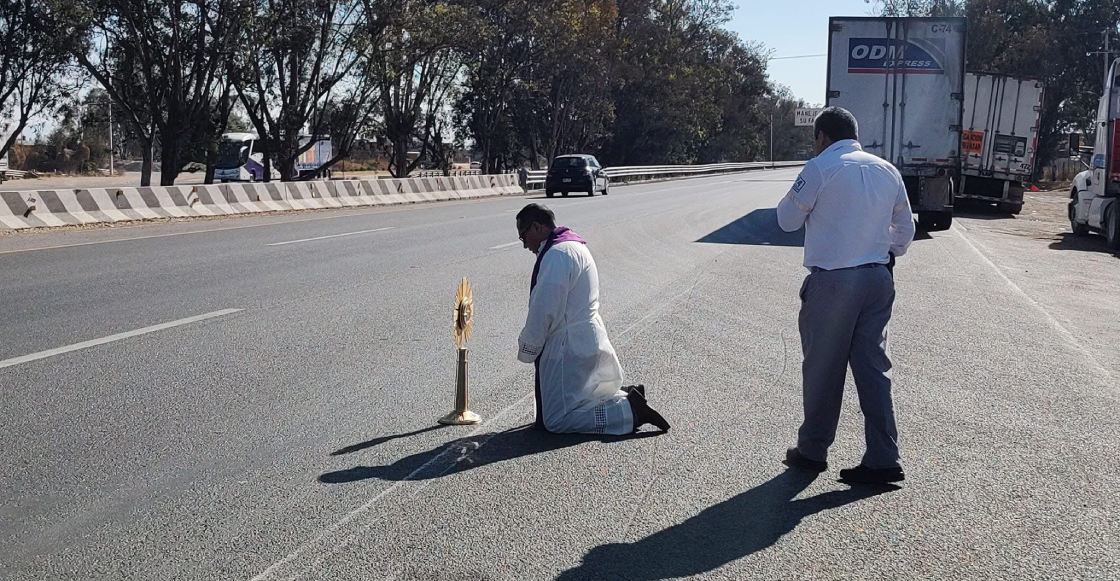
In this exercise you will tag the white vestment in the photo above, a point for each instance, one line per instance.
(580, 376)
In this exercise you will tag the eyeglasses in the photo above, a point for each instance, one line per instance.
(521, 233)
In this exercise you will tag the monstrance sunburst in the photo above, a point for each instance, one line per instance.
(463, 321)
(464, 313)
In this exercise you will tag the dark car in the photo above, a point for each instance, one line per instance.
(576, 173)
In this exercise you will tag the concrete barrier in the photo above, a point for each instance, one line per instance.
(49, 208)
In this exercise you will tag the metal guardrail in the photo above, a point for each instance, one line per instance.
(7, 174)
(438, 173)
(653, 171)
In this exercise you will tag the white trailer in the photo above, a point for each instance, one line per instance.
(999, 138)
(903, 79)
(319, 153)
(1094, 204)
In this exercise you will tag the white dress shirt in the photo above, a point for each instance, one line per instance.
(854, 208)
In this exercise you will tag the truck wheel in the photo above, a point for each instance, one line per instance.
(1112, 226)
(1010, 208)
(1078, 228)
(935, 221)
(549, 193)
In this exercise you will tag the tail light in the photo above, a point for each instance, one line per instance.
(1115, 169)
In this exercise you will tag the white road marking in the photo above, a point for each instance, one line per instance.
(506, 245)
(1070, 337)
(624, 338)
(331, 236)
(111, 338)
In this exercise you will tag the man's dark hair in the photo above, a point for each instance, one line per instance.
(536, 213)
(836, 123)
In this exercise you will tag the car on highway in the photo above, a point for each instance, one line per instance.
(576, 173)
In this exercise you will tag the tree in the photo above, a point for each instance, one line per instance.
(421, 44)
(919, 7)
(686, 79)
(33, 63)
(296, 71)
(499, 58)
(162, 63)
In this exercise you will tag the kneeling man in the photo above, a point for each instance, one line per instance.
(578, 377)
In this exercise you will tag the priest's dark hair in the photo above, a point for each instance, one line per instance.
(536, 213)
(837, 124)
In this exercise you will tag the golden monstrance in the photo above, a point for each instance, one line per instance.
(464, 317)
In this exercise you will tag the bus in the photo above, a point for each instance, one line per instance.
(241, 158)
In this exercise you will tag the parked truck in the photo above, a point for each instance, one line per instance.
(1094, 204)
(999, 138)
(903, 79)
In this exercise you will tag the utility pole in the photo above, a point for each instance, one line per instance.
(771, 135)
(1107, 52)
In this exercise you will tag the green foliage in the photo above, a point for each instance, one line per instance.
(34, 63)
(632, 81)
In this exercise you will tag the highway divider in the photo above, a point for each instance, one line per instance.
(47, 208)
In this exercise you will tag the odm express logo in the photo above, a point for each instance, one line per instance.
(891, 55)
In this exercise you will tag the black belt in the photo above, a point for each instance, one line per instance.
(868, 265)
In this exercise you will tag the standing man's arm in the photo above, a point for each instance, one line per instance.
(799, 201)
(902, 221)
(547, 304)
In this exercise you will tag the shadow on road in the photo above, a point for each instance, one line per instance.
(759, 228)
(469, 453)
(1088, 243)
(381, 440)
(973, 214)
(721, 534)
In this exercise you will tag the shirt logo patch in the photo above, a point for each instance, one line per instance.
(800, 183)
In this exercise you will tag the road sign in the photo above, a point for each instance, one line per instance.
(972, 142)
(805, 117)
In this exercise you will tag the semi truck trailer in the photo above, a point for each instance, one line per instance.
(999, 138)
(903, 79)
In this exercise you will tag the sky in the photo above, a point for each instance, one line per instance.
(794, 28)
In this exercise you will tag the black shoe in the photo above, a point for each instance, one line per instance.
(866, 475)
(643, 414)
(638, 388)
(796, 460)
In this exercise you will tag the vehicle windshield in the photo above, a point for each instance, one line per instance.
(231, 155)
(569, 163)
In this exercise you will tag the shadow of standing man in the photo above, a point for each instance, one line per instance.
(721, 534)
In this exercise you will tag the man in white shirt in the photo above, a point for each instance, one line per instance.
(578, 377)
(857, 219)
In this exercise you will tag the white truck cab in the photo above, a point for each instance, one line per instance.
(1094, 204)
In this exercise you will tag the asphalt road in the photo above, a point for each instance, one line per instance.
(280, 424)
